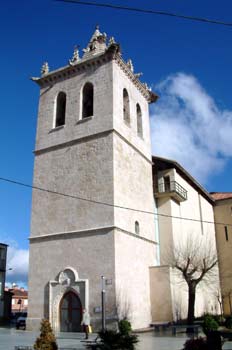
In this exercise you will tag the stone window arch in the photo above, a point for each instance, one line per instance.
(60, 109)
(87, 100)
(139, 120)
(137, 228)
(126, 106)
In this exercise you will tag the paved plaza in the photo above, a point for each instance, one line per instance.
(9, 338)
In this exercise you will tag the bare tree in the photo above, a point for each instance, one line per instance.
(195, 259)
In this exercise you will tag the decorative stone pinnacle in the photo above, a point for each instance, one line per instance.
(45, 69)
(86, 50)
(75, 57)
(130, 65)
(112, 41)
(96, 45)
(138, 75)
(146, 86)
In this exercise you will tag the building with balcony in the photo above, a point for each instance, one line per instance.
(185, 215)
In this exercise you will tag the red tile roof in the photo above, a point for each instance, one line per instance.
(19, 293)
(221, 195)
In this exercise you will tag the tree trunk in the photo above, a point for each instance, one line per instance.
(191, 302)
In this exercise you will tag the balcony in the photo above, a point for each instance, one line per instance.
(172, 189)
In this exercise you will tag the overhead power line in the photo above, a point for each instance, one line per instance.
(148, 11)
(108, 204)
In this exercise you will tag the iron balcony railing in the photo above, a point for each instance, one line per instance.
(172, 186)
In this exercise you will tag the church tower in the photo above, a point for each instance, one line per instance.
(93, 160)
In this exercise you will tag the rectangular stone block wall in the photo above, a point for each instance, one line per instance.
(91, 254)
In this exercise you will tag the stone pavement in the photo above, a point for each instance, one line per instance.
(148, 341)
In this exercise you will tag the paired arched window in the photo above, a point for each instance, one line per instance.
(60, 109)
(137, 230)
(126, 106)
(139, 120)
(87, 100)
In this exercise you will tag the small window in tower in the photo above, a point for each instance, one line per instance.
(87, 101)
(126, 106)
(137, 230)
(226, 233)
(60, 109)
(139, 121)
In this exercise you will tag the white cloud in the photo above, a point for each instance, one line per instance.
(17, 260)
(187, 126)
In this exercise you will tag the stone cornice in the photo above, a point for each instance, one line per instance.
(149, 95)
(111, 53)
(87, 232)
(71, 70)
(89, 137)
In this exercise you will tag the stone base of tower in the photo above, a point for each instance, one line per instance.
(70, 280)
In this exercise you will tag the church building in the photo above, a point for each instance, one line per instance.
(98, 194)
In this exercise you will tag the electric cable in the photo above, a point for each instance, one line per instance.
(148, 11)
(109, 204)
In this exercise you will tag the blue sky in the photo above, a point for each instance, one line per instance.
(196, 122)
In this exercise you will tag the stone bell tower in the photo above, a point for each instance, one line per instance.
(93, 158)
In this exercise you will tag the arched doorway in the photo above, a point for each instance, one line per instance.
(70, 313)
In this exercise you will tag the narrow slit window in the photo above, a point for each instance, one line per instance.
(126, 106)
(60, 109)
(226, 233)
(87, 101)
(137, 230)
(139, 121)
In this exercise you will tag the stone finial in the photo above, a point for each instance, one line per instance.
(147, 87)
(112, 41)
(75, 57)
(45, 69)
(86, 50)
(130, 65)
(138, 75)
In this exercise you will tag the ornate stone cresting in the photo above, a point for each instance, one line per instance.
(76, 58)
(44, 69)
(96, 45)
(96, 53)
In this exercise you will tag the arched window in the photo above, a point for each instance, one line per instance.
(137, 227)
(87, 100)
(60, 109)
(126, 106)
(139, 121)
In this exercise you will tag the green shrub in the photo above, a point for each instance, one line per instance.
(209, 324)
(228, 322)
(122, 340)
(195, 344)
(217, 318)
(124, 327)
(46, 340)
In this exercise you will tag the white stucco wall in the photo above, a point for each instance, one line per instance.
(175, 232)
